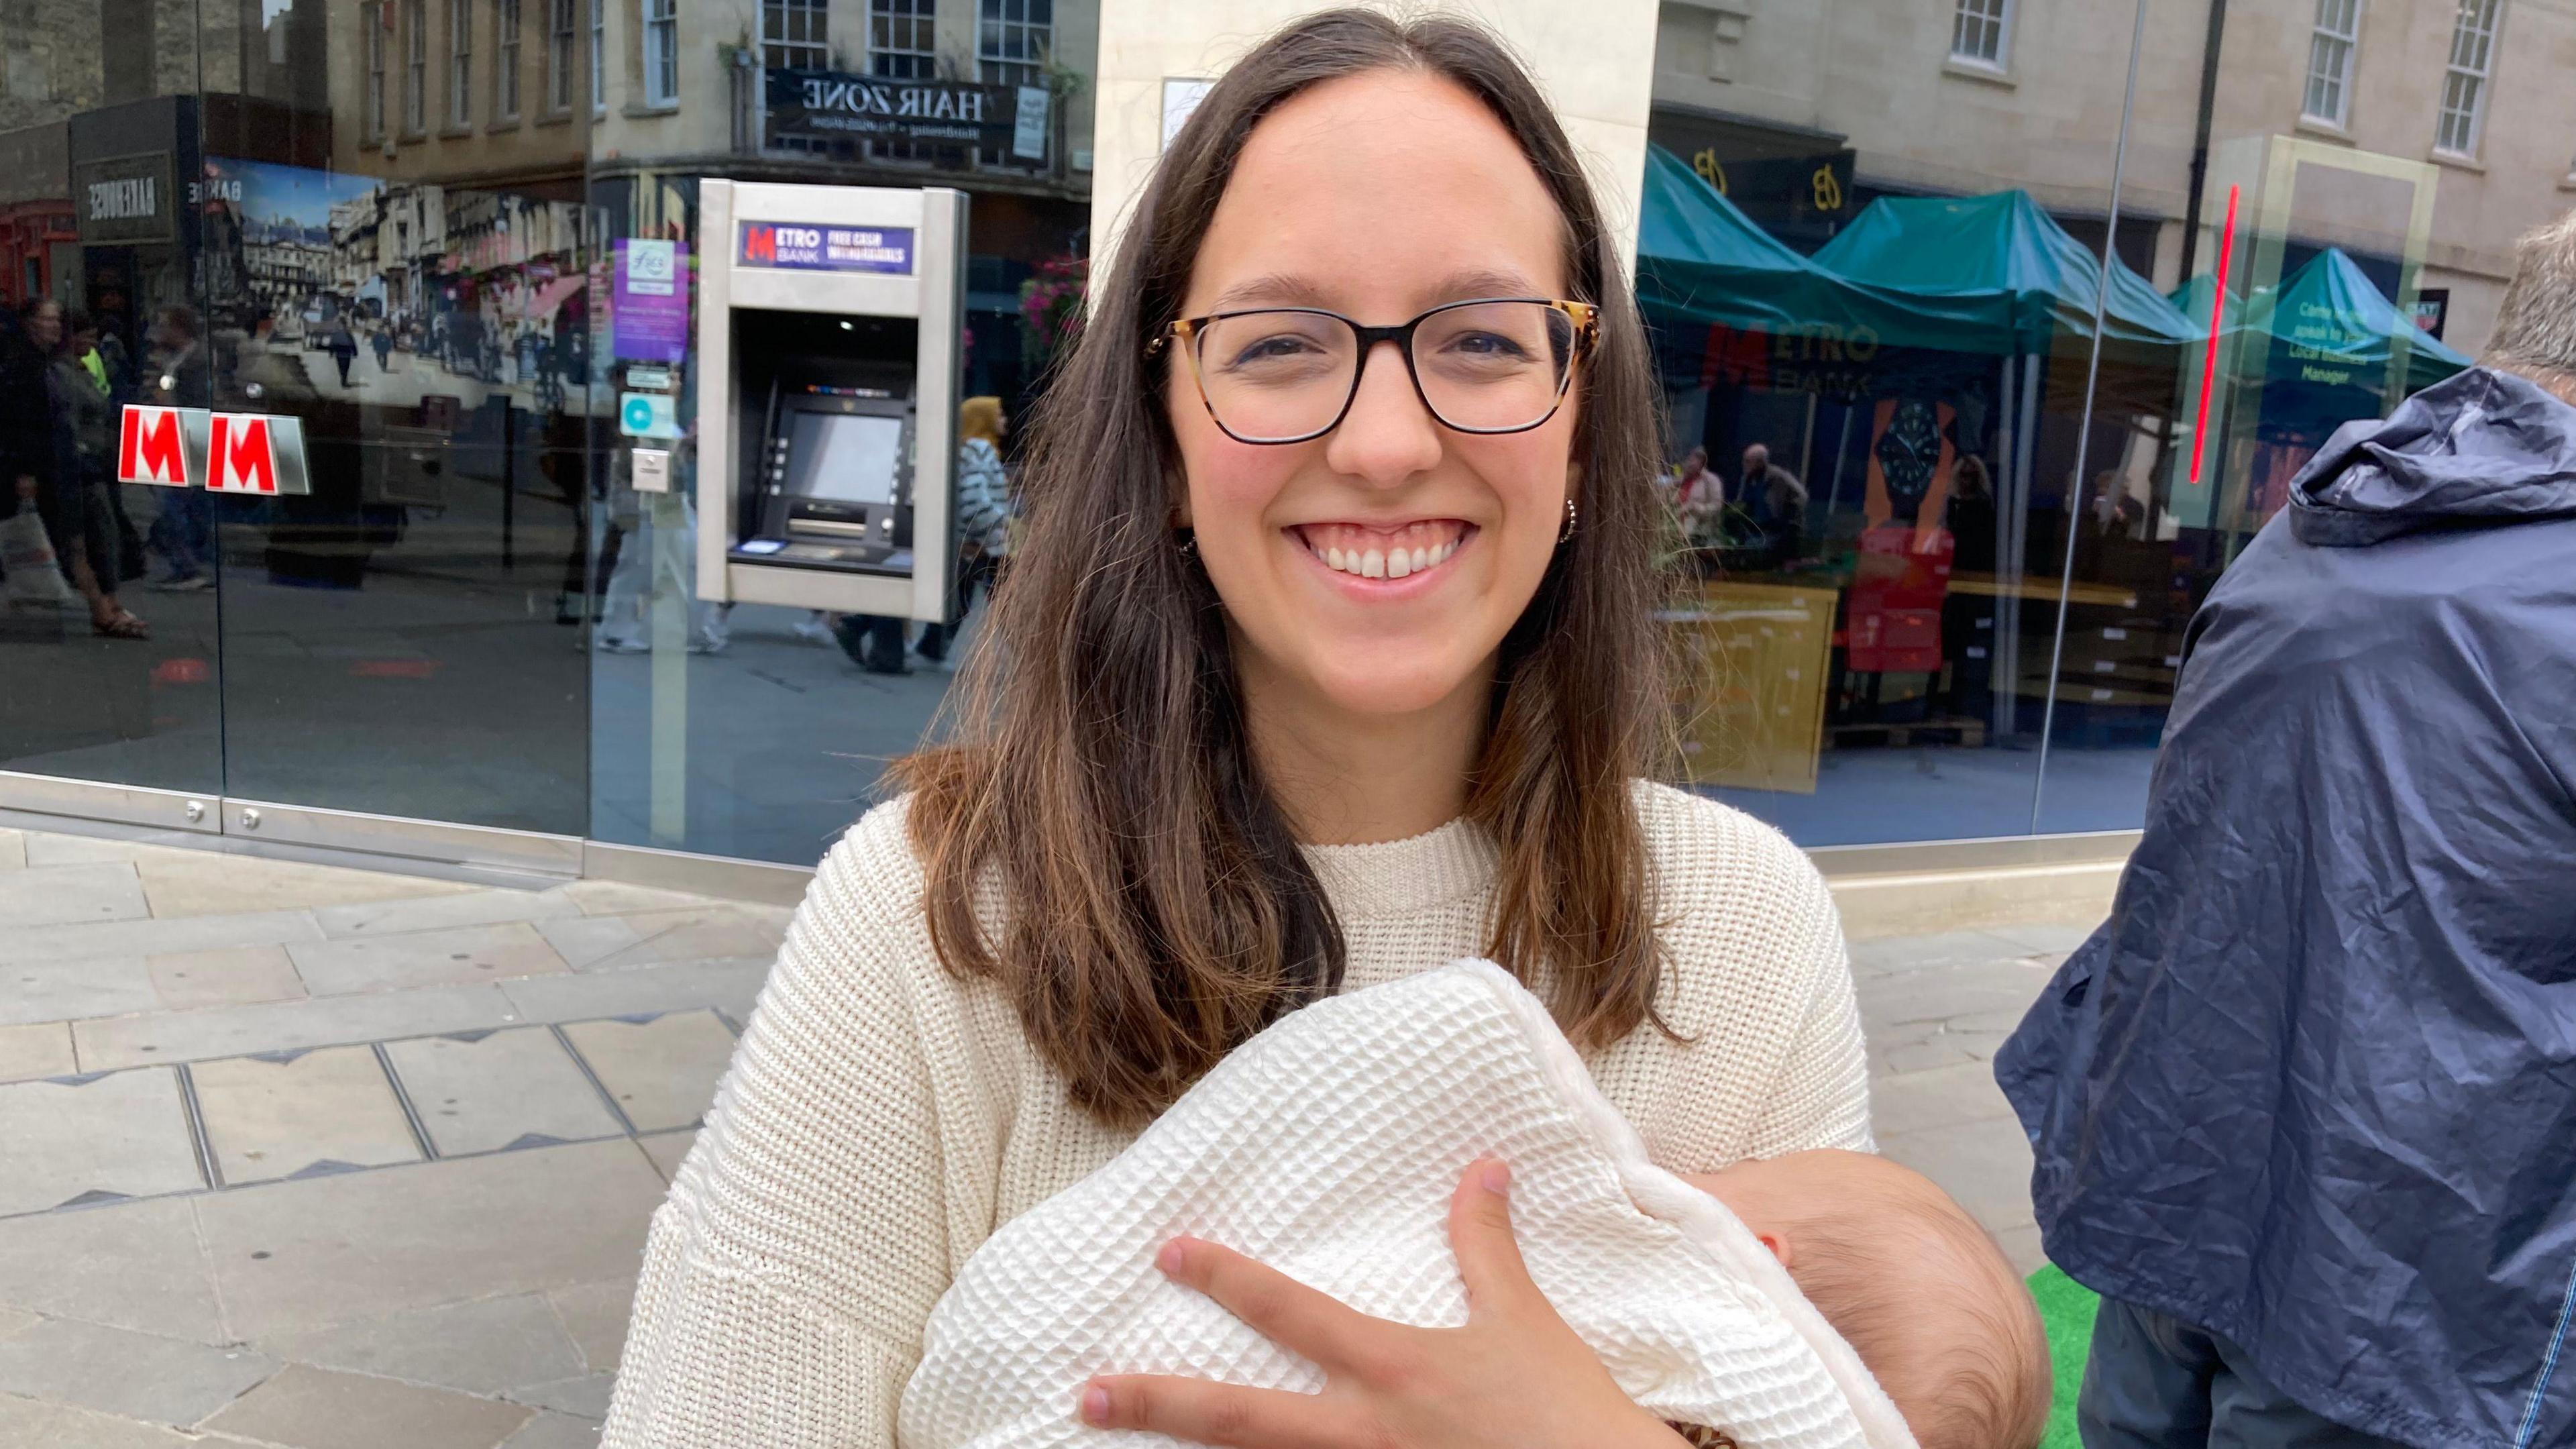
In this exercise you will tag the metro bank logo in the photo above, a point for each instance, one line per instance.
(760, 244)
(246, 453)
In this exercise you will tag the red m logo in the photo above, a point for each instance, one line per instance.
(148, 448)
(241, 461)
(759, 243)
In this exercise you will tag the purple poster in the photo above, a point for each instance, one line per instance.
(648, 303)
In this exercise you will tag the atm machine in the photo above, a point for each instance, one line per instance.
(829, 323)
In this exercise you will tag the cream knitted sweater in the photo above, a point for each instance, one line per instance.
(882, 1118)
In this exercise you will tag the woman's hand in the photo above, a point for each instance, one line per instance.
(1514, 1378)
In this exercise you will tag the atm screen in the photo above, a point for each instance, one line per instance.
(843, 457)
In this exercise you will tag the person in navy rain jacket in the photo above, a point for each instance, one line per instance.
(2304, 1109)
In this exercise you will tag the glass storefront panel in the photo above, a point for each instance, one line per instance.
(110, 662)
(1962, 611)
(1870, 272)
(391, 638)
(1946, 599)
(751, 729)
(2335, 193)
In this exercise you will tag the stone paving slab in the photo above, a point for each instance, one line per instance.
(585, 1397)
(125, 1133)
(135, 1375)
(311, 1408)
(33, 991)
(1941, 1097)
(159, 937)
(485, 1347)
(318, 1110)
(372, 1243)
(617, 898)
(234, 976)
(663, 1072)
(555, 1431)
(209, 883)
(666, 1149)
(40, 1050)
(1985, 1165)
(288, 1025)
(617, 943)
(58, 895)
(47, 847)
(133, 1265)
(1905, 955)
(35, 1424)
(15, 1321)
(1983, 989)
(481, 1094)
(594, 1314)
(481, 906)
(729, 986)
(425, 958)
(13, 850)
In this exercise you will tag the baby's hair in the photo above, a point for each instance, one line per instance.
(1985, 1390)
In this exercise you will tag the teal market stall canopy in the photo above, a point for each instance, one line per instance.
(2006, 263)
(2335, 327)
(1984, 275)
(1703, 263)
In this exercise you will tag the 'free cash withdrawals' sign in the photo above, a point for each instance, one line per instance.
(807, 247)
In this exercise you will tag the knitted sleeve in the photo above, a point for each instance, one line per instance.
(1820, 1098)
(1761, 984)
(790, 1273)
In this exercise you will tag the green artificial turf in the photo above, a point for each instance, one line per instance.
(2066, 1309)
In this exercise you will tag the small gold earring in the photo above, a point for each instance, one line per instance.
(1569, 522)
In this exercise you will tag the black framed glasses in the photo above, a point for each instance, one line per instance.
(1289, 374)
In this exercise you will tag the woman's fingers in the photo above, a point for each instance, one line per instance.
(1278, 1307)
(1226, 1415)
(1480, 1233)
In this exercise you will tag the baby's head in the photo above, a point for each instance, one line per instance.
(1912, 1283)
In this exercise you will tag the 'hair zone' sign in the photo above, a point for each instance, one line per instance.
(246, 453)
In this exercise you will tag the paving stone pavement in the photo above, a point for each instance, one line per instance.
(305, 1156)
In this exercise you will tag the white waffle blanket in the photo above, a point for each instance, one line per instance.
(1328, 1147)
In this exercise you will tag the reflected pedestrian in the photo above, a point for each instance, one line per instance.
(184, 534)
(982, 508)
(342, 345)
(86, 419)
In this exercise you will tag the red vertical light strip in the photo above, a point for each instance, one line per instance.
(2217, 310)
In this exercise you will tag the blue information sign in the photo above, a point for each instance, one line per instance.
(811, 247)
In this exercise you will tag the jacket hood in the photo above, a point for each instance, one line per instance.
(2481, 449)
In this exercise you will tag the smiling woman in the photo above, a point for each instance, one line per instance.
(1326, 657)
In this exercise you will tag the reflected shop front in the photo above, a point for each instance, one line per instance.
(371, 338)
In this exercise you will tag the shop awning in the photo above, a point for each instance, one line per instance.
(551, 296)
(2002, 259)
(2330, 307)
(1702, 262)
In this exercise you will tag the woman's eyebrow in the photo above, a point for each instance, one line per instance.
(1281, 289)
(1480, 282)
(1277, 289)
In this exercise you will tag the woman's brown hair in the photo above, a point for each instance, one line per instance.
(1101, 798)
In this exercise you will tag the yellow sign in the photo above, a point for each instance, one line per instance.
(1709, 169)
(1828, 191)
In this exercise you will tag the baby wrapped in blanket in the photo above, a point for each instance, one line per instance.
(1328, 1148)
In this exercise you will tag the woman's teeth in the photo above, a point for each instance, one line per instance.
(1388, 563)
